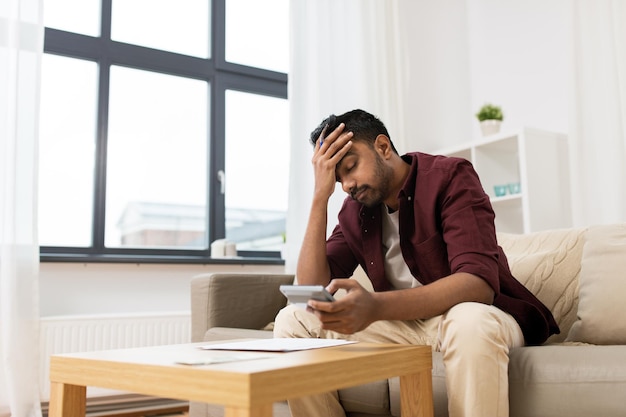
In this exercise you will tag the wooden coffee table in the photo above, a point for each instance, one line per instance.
(246, 388)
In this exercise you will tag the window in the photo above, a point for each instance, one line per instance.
(164, 126)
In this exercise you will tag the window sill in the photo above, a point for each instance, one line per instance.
(160, 259)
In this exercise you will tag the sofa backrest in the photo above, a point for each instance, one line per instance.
(602, 282)
(548, 263)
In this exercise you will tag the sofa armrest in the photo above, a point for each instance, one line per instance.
(245, 301)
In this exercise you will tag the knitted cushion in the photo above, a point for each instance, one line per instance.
(602, 305)
(548, 264)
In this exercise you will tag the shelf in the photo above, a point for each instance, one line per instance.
(535, 160)
(505, 198)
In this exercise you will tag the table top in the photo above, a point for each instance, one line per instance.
(252, 379)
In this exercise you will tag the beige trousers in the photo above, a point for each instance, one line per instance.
(474, 339)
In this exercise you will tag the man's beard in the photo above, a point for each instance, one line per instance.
(378, 193)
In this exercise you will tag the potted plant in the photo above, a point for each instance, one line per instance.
(490, 118)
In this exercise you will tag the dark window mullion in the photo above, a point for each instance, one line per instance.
(217, 146)
(100, 186)
(99, 213)
(72, 45)
(105, 19)
(219, 32)
(244, 70)
(149, 59)
(80, 46)
(246, 84)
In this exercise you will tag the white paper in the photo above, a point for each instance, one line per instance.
(278, 344)
(194, 360)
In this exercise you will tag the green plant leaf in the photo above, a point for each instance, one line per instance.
(489, 112)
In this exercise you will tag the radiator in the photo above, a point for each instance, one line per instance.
(67, 334)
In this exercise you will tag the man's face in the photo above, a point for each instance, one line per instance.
(364, 175)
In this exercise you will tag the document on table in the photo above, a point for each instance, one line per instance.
(278, 344)
(196, 360)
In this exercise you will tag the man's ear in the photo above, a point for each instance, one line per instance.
(382, 145)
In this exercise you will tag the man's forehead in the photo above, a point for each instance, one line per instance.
(357, 150)
(351, 153)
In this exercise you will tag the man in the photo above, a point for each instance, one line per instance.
(422, 228)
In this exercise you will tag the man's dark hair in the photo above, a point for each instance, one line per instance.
(365, 126)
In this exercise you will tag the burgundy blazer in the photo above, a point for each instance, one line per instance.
(446, 226)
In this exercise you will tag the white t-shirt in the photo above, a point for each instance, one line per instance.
(396, 269)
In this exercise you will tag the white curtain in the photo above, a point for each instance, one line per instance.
(345, 54)
(21, 46)
(598, 128)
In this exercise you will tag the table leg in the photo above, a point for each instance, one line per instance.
(260, 411)
(416, 395)
(67, 400)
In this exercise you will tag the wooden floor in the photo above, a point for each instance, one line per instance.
(169, 413)
(131, 405)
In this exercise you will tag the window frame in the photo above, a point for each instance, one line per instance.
(220, 76)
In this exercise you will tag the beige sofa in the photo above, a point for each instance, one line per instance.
(580, 274)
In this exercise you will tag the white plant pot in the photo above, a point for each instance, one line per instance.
(490, 127)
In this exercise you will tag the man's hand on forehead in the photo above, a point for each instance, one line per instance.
(329, 151)
(333, 143)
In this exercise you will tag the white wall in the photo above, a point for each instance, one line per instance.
(438, 97)
(99, 288)
(519, 58)
(464, 53)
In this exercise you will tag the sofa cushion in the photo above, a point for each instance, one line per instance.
(548, 264)
(229, 333)
(567, 380)
(602, 306)
(372, 398)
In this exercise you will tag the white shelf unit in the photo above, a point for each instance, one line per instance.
(535, 159)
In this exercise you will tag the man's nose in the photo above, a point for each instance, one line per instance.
(347, 185)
